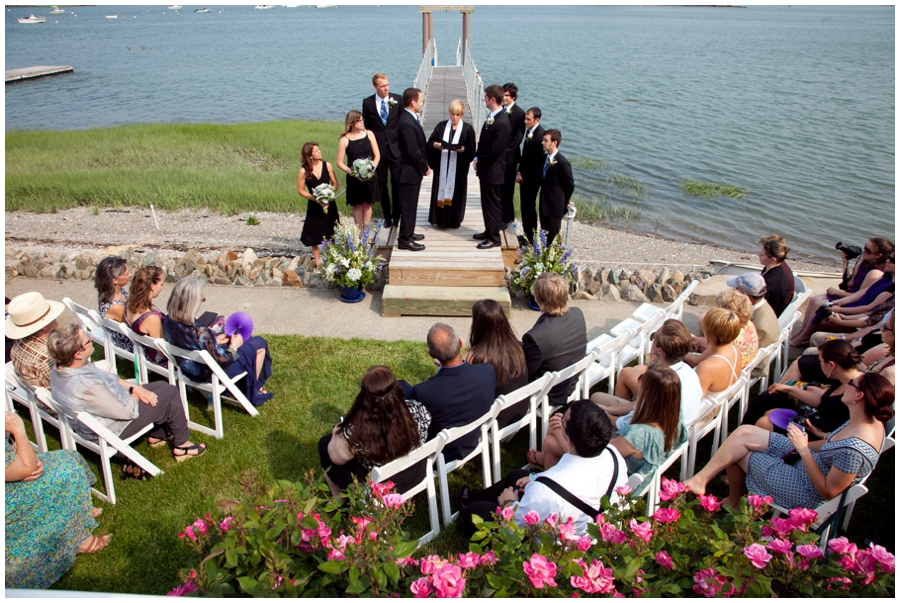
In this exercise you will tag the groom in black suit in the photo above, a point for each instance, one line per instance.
(490, 161)
(381, 115)
(557, 185)
(412, 165)
(529, 172)
(516, 131)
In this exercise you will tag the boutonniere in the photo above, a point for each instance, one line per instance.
(509, 111)
(392, 102)
(528, 137)
(489, 122)
(551, 162)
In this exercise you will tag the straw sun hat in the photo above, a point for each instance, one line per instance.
(29, 313)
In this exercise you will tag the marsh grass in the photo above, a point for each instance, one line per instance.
(618, 196)
(708, 190)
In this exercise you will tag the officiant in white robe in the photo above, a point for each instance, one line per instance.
(451, 149)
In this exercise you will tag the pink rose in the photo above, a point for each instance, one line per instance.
(781, 527)
(187, 587)
(380, 490)
(421, 588)
(710, 503)
(469, 560)
(448, 582)
(708, 582)
(551, 521)
(667, 515)
(373, 535)
(488, 558)
(780, 546)
(803, 518)
(757, 555)
(335, 554)
(642, 530)
(408, 561)
(200, 526)
(600, 520)
(810, 551)
(506, 513)
(758, 502)
(393, 501)
(226, 524)
(532, 518)
(664, 559)
(623, 490)
(609, 533)
(669, 489)
(430, 564)
(584, 543)
(189, 531)
(540, 571)
(595, 578)
(841, 546)
(882, 556)
(567, 530)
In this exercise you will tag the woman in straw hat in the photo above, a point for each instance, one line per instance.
(30, 319)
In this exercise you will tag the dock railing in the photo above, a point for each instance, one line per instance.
(429, 60)
(474, 89)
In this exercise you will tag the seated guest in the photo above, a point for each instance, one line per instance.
(380, 427)
(121, 407)
(722, 367)
(458, 394)
(110, 278)
(233, 354)
(868, 329)
(589, 471)
(763, 317)
(9, 342)
(141, 315)
(747, 340)
(777, 274)
(493, 341)
(31, 319)
(799, 473)
(655, 427)
(49, 516)
(839, 362)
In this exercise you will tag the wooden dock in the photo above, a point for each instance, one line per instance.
(445, 85)
(30, 73)
(451, 274)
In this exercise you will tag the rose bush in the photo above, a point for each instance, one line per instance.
(294, 541)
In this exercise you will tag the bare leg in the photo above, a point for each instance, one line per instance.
(792, 374)
(806, 328)
(358, 214)
(765, 422)
(628, 385)
(316, 255)
(367, 213)
(260, 359)
(736, 485)
(553, 451)
(738, 446)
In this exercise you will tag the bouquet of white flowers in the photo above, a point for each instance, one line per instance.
(324, 194)
(363, 169)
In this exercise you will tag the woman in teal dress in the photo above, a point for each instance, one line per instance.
(656, 426)
(49, 517)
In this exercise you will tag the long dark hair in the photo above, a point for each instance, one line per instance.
(879, 395)
(306, 158)
(493, 340)
(139, 293)
(884, 248)
(659, 401)
(111, 267)
(379, 426)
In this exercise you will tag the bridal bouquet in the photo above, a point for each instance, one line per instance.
(347, 258)
(324, 194)
(363, 169)
(539, 258)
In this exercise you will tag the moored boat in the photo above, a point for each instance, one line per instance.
(32, 19)
(57, 11)
(202, 10)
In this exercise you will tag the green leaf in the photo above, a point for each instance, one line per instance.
(276, 530)
(380, 577)
(248, 584)
(231, 559)
(631, 569)
(334, 566)
(358, 587)
(392, 571)
(574, 569)
(672, 589)
(309, 522)
(354, 573)
(477, 520)
(404, 549)
(479, 535)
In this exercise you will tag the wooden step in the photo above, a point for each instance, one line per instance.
(399, 300)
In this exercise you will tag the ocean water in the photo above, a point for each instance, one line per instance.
(794, 104)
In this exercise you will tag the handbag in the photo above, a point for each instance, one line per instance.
(574, 500)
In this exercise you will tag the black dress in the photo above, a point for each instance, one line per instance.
(359, 192)
(318, 225)
(450, 215)
(831, 412)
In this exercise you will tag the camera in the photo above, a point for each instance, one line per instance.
(851, 251)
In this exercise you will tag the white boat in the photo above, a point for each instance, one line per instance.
(32, 19)
(202, 10)
(326, 5)
(57, 11)
(264, 6)
(726, 268)
(112, 16)
(176, 7)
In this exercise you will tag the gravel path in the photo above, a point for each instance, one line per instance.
(80, 229)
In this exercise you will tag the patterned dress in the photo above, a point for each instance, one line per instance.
(120, 340)
(47, 519)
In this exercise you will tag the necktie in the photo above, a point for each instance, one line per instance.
(546, 166)
(384, 112)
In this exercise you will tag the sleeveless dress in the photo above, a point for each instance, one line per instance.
(120, 339)
(318, 225)
(47, 519)
(830, 413)
(359, 192)
(152, 355)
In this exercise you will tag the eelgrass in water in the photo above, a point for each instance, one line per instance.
(708, 190)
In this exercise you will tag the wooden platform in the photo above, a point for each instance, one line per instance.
(28, 73)
(451, 274)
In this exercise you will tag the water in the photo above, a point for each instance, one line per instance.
(795, 104)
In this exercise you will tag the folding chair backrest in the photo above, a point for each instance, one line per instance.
(90, 320)
(429, 449)
(142, 343)
(676, 309)
(575, 371)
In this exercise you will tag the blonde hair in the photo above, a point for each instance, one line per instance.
(737, 302)
(721, 326)
(551, 292)
(457, 107)
(378, 76)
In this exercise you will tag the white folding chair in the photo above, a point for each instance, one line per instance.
(607, 365)
(729, 397)
(141, 344)
(534, 392)
(676, 309)
(749, 379)
(763, 379)
(90, 321)
(106, 446)
(481, 425)
(573, 372)
(785, 324)
(639, 345)
(710, 418)
(219, 383)
(16, 391)
(428, 453)
(113, 326)
(649, 485)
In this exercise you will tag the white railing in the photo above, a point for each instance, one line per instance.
(474, 89)
(459, 53)
(429, 60)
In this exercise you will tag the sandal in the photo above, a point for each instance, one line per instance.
(533, 459)
(132, 471)
(188, 452)
(93, 544)
(159, 443)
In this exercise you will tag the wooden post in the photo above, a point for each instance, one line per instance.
(425, 31)
(466, 25)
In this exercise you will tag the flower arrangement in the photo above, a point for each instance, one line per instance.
(539, 258)
(363, 169)
(347, 262)
(295, 541)
(324, 194)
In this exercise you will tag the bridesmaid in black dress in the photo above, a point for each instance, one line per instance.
(320, 221)
(451, 149)
(358, 143)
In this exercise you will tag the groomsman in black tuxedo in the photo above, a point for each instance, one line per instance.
(557, 185)
(490, 165)
(529, 172)
(412, 165)
(381, 115)
(517, 130)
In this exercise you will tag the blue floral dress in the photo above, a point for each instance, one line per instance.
(47, 519)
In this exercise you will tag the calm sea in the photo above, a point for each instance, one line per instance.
(795, 104)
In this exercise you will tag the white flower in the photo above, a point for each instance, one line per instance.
(538, 268)
(509, 111)
(391, 101)
(329, 270)
(489, 122)
(345, 262)
(552, 162)
(369, 264)
(354, 274)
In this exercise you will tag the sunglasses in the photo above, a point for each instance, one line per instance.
(892, 259)
(867, 250)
